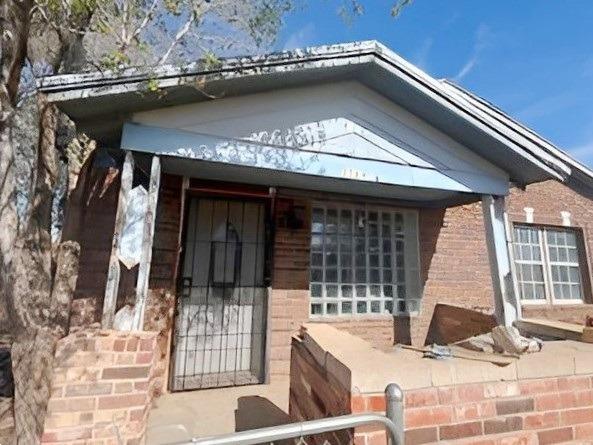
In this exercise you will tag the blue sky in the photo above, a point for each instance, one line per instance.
(532, 58)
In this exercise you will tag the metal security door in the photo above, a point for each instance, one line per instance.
(221, 313)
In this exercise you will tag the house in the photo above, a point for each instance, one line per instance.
(337, 184)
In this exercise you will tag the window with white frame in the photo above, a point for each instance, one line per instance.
(364, 260)
(547, 264)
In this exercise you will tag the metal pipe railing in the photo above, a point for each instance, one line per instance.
(392, 421)
(295, 430)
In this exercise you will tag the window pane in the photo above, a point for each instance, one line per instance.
(347, 292)
(316, 290)
(317, 223)
(352, 260)
(564, 264)
(529, 265)
(332, 291)
(361, 307)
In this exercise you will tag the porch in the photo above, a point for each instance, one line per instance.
(545, 397)
(182, 415)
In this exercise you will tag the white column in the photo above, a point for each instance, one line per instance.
(506, 303)
(147, 239)
(127, 176)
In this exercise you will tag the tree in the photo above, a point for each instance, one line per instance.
(39, 37)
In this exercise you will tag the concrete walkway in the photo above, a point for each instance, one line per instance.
(180, 416)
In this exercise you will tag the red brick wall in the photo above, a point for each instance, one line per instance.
(539, 411)
(289, 305)
(102, 388)
(316, 393)
(454, 263)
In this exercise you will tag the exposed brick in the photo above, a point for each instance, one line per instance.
(67, 435)
(358, 403)
(421, 397)
(460, 430)
(514, 406)
(146, 344)
(540, 386)
(583, 431)
(376, 403)
(88, 389)
(470, 393)
(422, 435)
(143, 358)
(557, 435)
(542, 420)
(574, 383)
(503, 425)
(121, 401)
(419, 417)
(576, 416)
(68, 405)
(126, 372)
(473, 411)
(119, 345)
(132, 344)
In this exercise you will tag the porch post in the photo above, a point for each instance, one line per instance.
(147, 239)
(506, 305)
(113, 272)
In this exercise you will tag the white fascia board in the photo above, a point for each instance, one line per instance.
(190, 145)
(497, 113)
(435, 90)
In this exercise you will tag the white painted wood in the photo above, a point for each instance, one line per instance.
(147, 240)
(295, 163)
(506, 303)
(113, 273)
(130, 246)
(369, 125)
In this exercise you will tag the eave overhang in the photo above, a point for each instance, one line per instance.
(102, 103)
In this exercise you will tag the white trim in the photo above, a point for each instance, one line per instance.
(506, 305)
(547, 264)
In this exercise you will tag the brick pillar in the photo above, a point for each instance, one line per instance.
(102, 388)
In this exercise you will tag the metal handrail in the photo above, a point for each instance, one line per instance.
(294, 430)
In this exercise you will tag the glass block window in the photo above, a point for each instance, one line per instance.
(364, 260)
(547, 264)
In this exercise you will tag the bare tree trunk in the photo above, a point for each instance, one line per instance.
(37, 279)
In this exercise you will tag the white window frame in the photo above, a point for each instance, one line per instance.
(411, 268)
(547, 264)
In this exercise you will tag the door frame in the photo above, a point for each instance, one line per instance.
(196, 189)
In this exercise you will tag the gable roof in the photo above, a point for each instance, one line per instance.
(89, 100)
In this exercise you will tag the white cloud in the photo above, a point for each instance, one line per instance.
(301, 38)
(420, 59)
(481, 42)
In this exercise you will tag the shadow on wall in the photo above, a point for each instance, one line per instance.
(429, 228)
(258, 412)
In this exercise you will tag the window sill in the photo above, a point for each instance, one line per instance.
(555, 303)
(353, 317)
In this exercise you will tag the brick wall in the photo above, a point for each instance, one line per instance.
(454, 263)
(316, 393)
(541, 399)
(534, 411)
(102, 388)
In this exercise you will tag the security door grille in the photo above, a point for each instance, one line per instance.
(221, 313)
